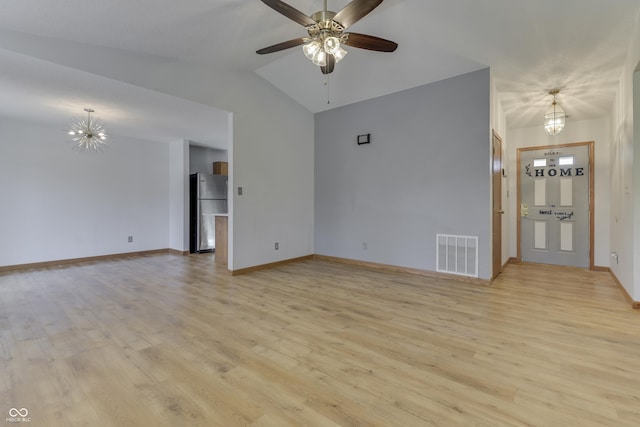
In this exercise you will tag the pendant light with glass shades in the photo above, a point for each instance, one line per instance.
(555, 117)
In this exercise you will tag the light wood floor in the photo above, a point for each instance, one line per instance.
(164, 340)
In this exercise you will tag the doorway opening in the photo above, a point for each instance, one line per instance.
(497, 205)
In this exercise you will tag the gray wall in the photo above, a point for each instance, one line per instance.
(426, 171)
(57, 204)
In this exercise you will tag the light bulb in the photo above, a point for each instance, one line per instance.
(331, 45)
(310, 49)
(320, 58)
(340, 53)
(555, 119)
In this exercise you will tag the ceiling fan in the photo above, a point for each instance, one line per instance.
(326, 32)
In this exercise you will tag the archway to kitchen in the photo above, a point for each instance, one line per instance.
(201, 202)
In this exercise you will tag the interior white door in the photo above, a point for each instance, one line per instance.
(554, 210)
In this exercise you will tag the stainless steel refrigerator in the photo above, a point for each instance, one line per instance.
(208, 197)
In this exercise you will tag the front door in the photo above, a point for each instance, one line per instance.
(555, 204)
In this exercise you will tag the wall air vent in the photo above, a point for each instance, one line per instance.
(457, 254)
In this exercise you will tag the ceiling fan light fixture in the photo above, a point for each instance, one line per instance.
(320, 58)
(324, 46)
(311, 48)
(555, 117)
(340, 53)
(318, 48)
(332, 45)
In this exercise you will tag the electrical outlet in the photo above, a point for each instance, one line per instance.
(276, 246)
(365, 246)
(130, 239)
(239, 191)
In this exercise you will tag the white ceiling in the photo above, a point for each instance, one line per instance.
(531, 47)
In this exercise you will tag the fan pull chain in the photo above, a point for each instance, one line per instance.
(326, 83)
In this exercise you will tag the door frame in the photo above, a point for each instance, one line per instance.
(496, 204)
(590, 145)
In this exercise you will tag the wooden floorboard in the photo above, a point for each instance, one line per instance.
(167, 340)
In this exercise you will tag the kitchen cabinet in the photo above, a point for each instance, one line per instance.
(222, 240)
(221, 168)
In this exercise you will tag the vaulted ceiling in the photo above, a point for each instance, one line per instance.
(578, 46)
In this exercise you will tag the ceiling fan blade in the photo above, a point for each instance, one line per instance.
(354, 11)
(331, 63)
(364, 41)
(290, 12)
(281, 46)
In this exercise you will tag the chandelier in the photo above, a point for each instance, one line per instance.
(555, 117)
(88, 135)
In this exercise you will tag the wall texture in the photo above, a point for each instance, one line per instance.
(426, 171)
(625, 178)
(179, 195)
(60, 204)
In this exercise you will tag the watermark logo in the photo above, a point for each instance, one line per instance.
(18, 416)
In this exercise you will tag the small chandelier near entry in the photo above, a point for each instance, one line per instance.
(555, 117)
(88, 135)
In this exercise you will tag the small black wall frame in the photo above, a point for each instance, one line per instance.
(364, 139)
